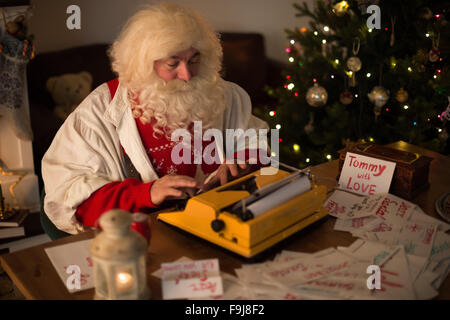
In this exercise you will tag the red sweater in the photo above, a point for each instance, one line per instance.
(131, 194)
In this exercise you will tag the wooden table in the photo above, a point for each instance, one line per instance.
(34, 275)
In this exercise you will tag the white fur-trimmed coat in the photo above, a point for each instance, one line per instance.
(86, 152)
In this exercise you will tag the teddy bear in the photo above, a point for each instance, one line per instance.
(68, 90)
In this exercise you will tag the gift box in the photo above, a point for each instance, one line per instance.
(411, 170)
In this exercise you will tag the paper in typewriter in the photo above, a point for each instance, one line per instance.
(285, 193)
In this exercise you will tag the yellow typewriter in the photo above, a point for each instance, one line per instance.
(252, 213)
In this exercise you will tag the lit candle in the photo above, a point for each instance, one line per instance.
(124, 281)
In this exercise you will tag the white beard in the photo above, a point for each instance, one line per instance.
(176, 104)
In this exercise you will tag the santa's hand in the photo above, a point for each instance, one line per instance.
(172, 186)
(225, 173)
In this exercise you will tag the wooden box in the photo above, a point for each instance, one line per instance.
(411, 170)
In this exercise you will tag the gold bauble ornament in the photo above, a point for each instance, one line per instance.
(378, 96)
(402, 95)
(340, 8)
(354, 64)
(316, 96)
(434, 54)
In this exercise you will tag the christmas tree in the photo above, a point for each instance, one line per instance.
(351, 80)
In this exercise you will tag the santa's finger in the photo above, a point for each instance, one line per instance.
(243, 166)
(233, 170)
(181, 182)
(174, 192)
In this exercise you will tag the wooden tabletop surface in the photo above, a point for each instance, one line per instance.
(35, 276)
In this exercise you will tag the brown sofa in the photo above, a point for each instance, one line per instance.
(244, 63)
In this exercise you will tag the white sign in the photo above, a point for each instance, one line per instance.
(190, 279)
(366, 175)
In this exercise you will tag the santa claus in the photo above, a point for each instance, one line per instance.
(115, 149)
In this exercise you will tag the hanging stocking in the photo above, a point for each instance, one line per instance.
(13, 59)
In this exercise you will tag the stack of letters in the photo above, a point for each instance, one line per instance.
(401, 253)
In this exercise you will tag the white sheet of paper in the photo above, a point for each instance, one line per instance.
(392, 208)
(251, 274)
(282, 195)
(342, 273)
(233, 289)
(396, 282)
(346, 284)
(366, 175)
(381, 225)
(372, 252)
(345, 205)
(416, 265)
(443, 269)
(287, 255)
(424, 289)
(190, 279)
(73, 254)
(351, 225)
(441, 247)
(158, 273)
(320, 290)
(295, 273)
(421, 217)
(417, 239)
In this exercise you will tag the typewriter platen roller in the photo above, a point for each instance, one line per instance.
(252, 213)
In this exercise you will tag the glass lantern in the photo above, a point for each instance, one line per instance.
(119, 256)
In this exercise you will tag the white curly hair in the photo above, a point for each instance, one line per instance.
(157, 32)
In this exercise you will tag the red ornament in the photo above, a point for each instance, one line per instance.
(346, 97)
(434, 54)
(445, 115)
